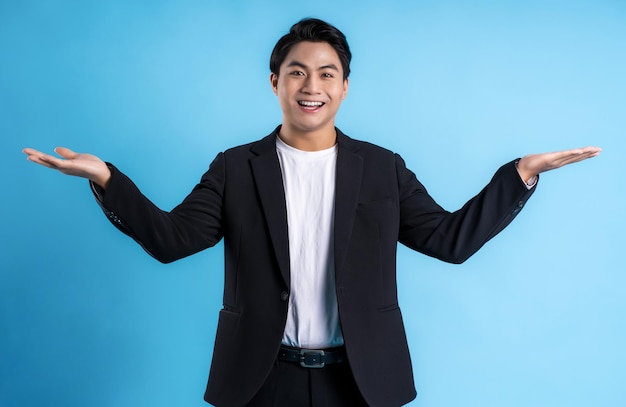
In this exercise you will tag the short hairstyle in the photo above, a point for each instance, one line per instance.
(314, 30)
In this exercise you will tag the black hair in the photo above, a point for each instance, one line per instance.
(314, 30)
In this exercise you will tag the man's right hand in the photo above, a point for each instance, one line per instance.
(77, 164)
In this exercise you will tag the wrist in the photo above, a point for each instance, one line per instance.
(103, 179)
(529, 178)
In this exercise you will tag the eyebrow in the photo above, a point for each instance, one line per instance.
(304, 66)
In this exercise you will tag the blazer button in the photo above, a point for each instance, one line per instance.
(284, 296)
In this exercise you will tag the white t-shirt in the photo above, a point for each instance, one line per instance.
(309, 183)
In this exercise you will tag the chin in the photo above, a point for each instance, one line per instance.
(312, 127)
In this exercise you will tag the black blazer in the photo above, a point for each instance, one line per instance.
(379, 202)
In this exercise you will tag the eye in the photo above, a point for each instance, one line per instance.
(297, 73)
(327, 75)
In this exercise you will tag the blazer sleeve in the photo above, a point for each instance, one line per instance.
(455, 236)
(193, 225)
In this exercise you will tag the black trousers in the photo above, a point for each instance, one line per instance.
(291, 385)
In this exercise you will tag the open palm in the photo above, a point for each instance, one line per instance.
(77, 164)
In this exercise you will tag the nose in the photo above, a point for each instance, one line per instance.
(311, 85)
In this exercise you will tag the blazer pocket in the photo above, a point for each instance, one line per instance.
(389, 308)
(383, 202)
(228, 310)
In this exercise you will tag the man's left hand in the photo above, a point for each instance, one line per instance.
(534, 164)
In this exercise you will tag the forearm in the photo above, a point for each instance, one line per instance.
(166, 235)
(455, 236)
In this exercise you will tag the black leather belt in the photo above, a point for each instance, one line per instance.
(312, 358)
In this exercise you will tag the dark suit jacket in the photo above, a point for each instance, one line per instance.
(378, 203)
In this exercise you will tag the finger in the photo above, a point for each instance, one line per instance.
(576, 152)
(33, 155)
(582, 150)
(65, 152)
(38, 159)
(592, 149)
(585, 153)
(52, 161)
(30, 151)
(576, 157)
(584, 157)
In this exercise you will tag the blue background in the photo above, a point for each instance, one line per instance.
(458, 88)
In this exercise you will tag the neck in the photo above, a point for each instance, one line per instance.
(308, 140)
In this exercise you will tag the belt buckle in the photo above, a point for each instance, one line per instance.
(311, 358)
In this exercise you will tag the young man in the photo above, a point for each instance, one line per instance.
(310, 220)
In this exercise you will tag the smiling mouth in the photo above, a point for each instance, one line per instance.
(310, 104)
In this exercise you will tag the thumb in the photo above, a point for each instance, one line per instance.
(65, 152)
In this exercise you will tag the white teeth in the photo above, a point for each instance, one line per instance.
(311, 104)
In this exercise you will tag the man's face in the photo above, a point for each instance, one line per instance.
(310, 87)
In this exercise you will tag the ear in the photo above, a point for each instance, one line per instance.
(274, 82)
(345, 88)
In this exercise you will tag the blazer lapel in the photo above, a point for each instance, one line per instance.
(269, 182)
(348, 185)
